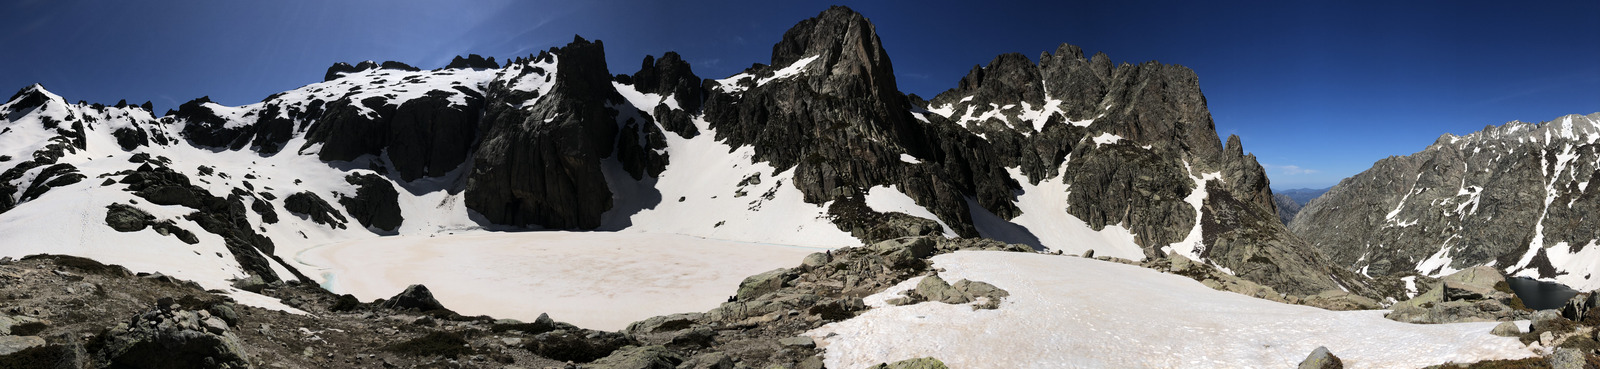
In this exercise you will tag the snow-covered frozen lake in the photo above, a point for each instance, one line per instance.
(596, 280)
(1069, 312)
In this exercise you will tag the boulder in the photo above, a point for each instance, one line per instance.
(415, 297)
(918, 363)
(10, 344)
(1567, 358)
(1321, 359)
(988, 294)
(1180, 264)
(1506, 329)
(633, 357)
(124, 218)
(761, 284)
(933, 288)
(251, 283)
(664, 323)
(817, 259)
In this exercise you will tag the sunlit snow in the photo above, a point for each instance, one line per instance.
(1075, 312)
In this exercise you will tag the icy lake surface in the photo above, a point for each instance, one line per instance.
(596, 280)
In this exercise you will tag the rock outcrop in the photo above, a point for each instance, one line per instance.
(375, 204)
(1478, 294)
(415, 297)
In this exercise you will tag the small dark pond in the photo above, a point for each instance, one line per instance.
(1540, 295)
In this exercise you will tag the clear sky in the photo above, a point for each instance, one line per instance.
(1317, 90)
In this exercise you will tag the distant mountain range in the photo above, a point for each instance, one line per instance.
(1518, 197)
(1291, 201)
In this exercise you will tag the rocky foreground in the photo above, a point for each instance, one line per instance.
(71, 312)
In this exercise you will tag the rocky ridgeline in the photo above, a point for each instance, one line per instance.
(528, 142)
(1512, 196)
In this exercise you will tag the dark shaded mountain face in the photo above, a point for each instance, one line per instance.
(1516, 197)
(1287, 207)
(1043, 154)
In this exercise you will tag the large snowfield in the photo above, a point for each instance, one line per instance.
(595, 280)
(1069, 312)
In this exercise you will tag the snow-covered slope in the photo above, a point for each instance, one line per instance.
(235, 154)
(1081, 313)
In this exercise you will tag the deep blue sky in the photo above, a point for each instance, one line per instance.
(1318, 91)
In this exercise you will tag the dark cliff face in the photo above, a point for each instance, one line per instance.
(541, 165)
(1513, 196)
(841, 122)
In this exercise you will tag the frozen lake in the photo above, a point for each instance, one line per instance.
(596, 280)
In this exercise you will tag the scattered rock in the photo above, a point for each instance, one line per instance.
(1321, 359)
(415, 297)
(933, 288)
(918, 363)
(252, 283)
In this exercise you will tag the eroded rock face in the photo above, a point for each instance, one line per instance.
(840, 120)
(310, 205)
(1511, 196)
(542, 165)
